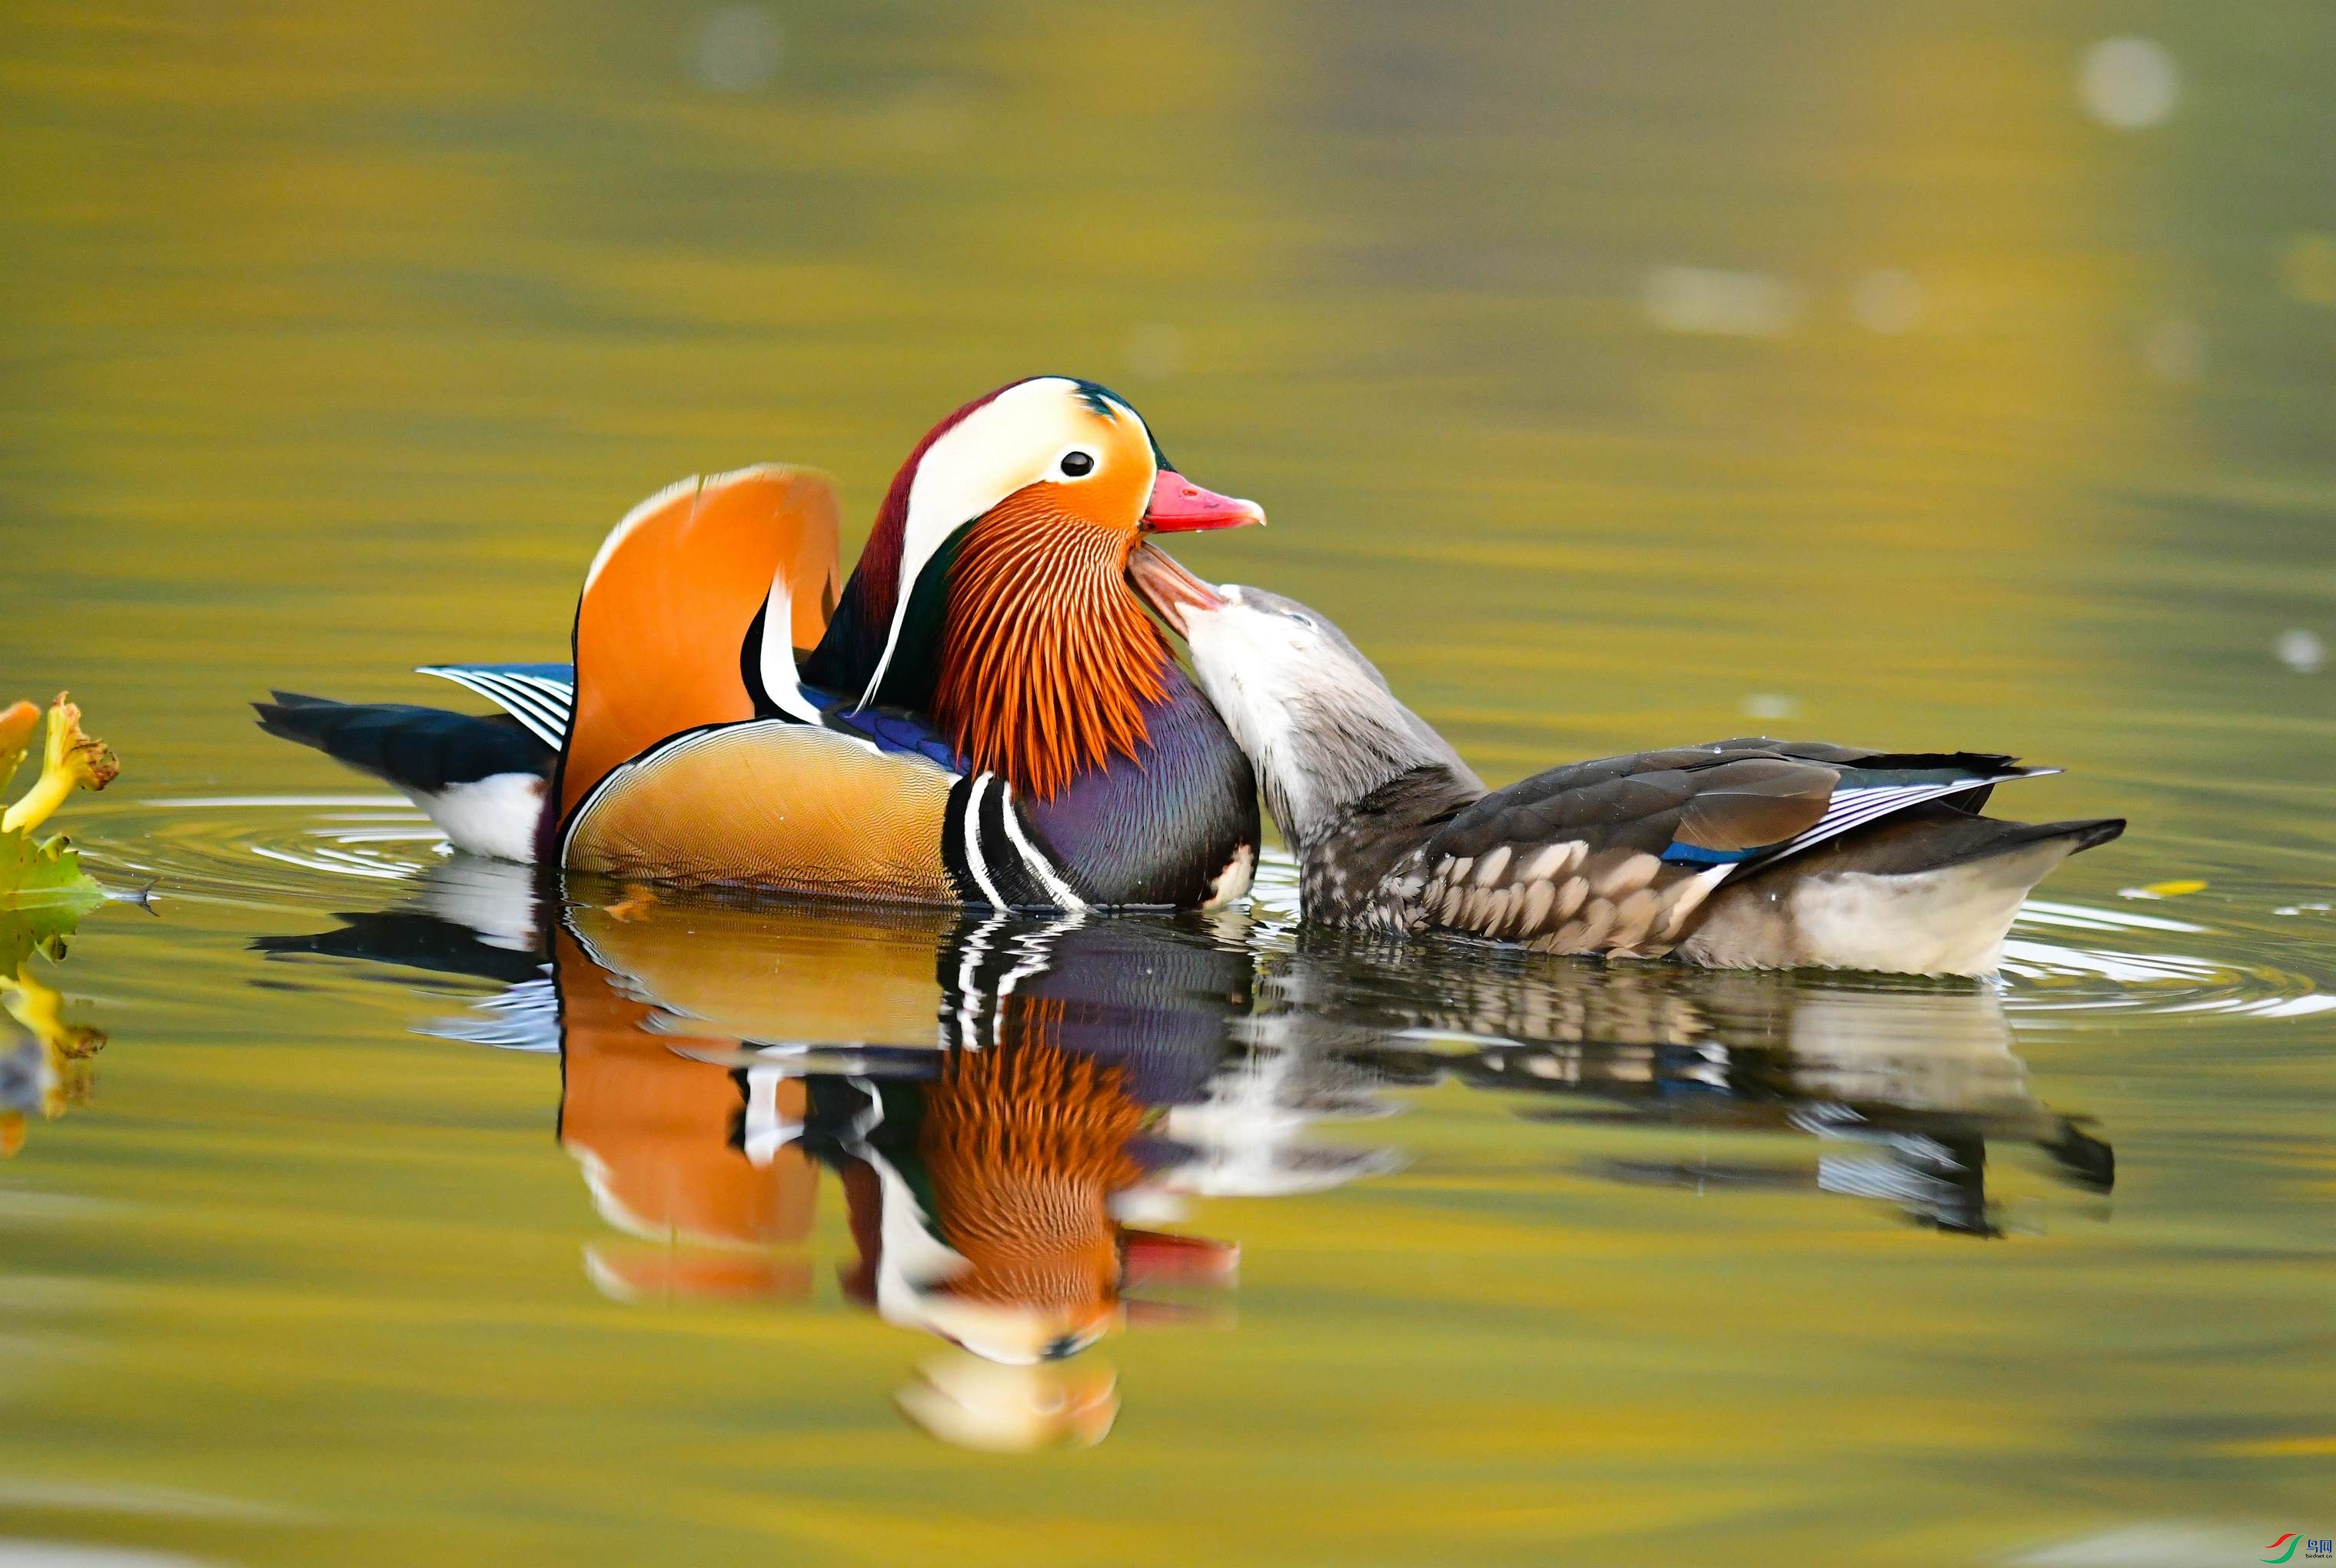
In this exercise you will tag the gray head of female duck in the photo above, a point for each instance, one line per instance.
(1325, 734)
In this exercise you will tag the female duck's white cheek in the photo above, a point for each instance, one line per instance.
(1218, 661)
(1249, 709)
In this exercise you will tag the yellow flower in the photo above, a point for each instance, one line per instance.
(71, 760)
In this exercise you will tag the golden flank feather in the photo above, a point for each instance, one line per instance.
(1049, 660)
(806, 810)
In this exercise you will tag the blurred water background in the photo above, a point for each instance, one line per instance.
(1615, 376)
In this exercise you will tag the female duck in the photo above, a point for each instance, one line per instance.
(985, 715)
(1754, 853)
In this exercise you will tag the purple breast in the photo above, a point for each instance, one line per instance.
(1160, 829)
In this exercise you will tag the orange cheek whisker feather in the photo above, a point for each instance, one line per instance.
(1049, 659)
(1026, 1143)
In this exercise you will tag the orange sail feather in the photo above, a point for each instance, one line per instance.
(668, 603)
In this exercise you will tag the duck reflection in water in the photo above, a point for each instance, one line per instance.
(1902, 1083)
(981, 1091)
(1006, 1106)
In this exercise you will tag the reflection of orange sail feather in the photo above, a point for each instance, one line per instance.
(668, 604)
(657, 1133)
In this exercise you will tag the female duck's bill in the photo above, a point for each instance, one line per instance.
(1170, 589)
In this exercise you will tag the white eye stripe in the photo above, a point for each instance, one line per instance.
(979, 462)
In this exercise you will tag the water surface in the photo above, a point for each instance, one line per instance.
(1614, 377)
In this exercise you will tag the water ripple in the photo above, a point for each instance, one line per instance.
(2065, 961)
(265, 850)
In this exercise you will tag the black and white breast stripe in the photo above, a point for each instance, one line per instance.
(992, 855)
(992, 958)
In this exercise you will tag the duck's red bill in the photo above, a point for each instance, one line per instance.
(1180, 506)
(1168, 588)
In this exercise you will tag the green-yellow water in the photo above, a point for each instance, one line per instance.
(1615, 376)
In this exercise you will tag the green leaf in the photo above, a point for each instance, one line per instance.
(43, 931)
(45, 876)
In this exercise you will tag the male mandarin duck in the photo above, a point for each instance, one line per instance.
(1745, 853)
(983, 716)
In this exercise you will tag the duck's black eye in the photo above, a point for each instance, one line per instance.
(1077, 464)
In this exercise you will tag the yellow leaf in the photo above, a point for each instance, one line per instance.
(2174, 890)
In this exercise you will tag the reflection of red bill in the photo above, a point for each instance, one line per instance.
(1155, 1257)
(1213, 1314)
